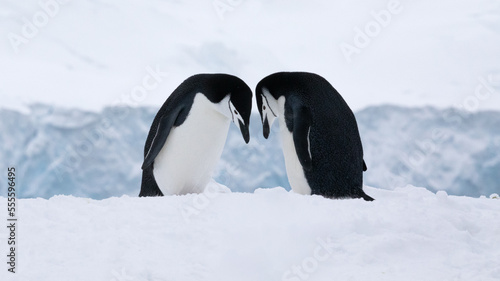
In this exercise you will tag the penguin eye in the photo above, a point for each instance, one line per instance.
(264, 107)
(235, 112)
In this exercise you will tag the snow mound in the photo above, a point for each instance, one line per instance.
(405, 234)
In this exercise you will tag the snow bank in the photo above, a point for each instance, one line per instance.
(406, 234)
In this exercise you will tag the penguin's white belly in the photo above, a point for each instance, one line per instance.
(192, 150)
(294, 170)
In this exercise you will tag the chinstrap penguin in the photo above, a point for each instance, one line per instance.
(321, 143)
(189, 131)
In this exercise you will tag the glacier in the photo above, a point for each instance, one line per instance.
(67, 151)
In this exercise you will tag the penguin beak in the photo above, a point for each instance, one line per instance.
(265, 126)
(244, 131)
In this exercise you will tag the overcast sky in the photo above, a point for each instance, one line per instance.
(91, 54)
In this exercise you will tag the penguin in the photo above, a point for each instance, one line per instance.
(189, 131)
(320, 139)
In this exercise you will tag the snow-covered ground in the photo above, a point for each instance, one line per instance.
(405, 234)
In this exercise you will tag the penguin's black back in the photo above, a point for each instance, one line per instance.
(335, 144)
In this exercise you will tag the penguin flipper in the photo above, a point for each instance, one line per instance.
(364, 166)
(162, 131)
(301, 129)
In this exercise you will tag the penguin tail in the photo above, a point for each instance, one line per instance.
(150, 193)
(366, 197)
(149, 187)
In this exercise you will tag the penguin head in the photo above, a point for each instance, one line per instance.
(240, 107)
(268, 108)
(236, 102)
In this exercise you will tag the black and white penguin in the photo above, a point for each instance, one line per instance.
(319, 133)
(189, 131)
